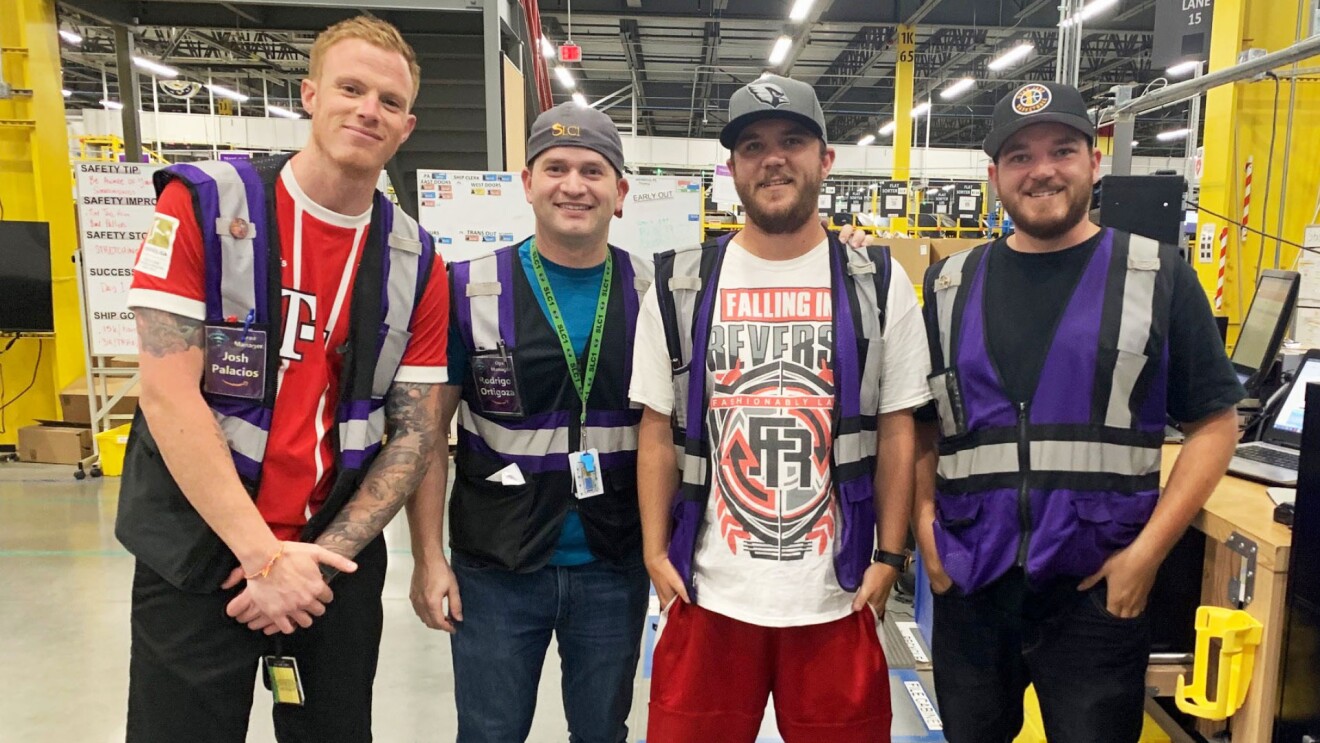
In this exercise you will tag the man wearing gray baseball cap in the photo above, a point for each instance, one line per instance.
(543, 518)
(787, 367)
(1058, 352)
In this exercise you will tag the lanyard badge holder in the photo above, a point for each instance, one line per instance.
(282, 678)
(584, 464)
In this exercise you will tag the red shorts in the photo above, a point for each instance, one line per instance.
(711, 676)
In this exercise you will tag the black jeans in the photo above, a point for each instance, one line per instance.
(1089, 667)
(192, 669)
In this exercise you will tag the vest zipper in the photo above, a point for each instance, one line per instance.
(1024, 501)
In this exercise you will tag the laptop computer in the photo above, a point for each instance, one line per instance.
(1275, 457)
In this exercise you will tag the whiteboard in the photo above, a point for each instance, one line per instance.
(116, 204)
(472, 213)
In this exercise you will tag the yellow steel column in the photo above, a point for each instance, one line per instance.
(903, 78)
(36, 185)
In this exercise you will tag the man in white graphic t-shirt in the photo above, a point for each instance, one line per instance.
(785, 367)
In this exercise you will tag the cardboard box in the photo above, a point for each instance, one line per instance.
(944, 247)
(54, 442)
(913, 255)
(77, 408)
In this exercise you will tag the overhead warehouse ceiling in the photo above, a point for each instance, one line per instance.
(683, 58)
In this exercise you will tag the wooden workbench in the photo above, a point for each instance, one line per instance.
(1242, 507)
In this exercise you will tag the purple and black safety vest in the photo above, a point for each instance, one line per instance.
(533, 424)
(686, 283)
(1056, 484)
(235, 207)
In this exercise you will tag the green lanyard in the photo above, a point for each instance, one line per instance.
(581, 382)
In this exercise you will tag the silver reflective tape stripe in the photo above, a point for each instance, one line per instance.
(983, 460)
(537, 442)
(643, 274)
(223, 225)
(946, 293)
(679, 411)
(684, 285)
(854, 447)
(866, 298)
(243, 437)
(484, 308)
(236, 288)
(1134, 327)
(484, 289)
(401, 285)
(864, 280)
(1090, 456)
(359, 434)
(610, 439)
(694, 468)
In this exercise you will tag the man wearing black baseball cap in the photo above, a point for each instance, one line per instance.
(787, 366)
(1057, 353)
(543, 517)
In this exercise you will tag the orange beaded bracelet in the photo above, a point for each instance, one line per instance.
(262, 573)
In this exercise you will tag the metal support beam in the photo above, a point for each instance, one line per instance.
(631, 38)
(802, 33)
(491, 53)
(128, 94)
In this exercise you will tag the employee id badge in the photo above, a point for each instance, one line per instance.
(947, 391)
(588, 480)
(235, 362)
(496, 384)
(283, 680)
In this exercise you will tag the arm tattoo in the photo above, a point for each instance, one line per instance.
(413, 416)
(163, 333)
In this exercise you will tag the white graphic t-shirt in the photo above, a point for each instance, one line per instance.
(765, 553)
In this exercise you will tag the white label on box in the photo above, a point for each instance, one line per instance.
(1206, 253)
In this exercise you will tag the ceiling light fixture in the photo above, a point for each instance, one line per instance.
(282, 112)
(780, 50)
(957, 88)
(868, 139)
(888, 129)
(547, 49)
(920, 109)
(70, 37)
(580, 99)
(1183, 68)
(155, 68)
(800, 10)
(565, 78)
(1173, 134)
(1011, 57)
(112, 105)
(224, 92)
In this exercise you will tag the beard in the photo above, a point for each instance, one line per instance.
(781, 220)
(1048, 227)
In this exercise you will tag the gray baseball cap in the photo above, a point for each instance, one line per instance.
(1037, 103)
(571, 125)
(773, 97)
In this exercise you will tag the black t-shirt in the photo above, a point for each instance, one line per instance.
(1026, 293)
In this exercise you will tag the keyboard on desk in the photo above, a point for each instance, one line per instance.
(1268, 455)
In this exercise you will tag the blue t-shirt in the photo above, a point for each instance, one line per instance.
(576, 291)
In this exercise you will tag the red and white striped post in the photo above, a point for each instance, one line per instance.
(1246, 202)
(1223, 265)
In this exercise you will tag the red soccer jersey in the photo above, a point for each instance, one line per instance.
(320, 251)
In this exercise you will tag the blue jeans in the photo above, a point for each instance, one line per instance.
(596, 613)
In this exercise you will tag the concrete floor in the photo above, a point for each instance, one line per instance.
(64, 590)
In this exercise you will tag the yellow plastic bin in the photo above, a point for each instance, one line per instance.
(111, 445)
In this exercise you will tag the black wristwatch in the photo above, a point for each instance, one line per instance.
(894, 560)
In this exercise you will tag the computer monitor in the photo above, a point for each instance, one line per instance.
(25, 295)
(1263, 329)
(1287, 428)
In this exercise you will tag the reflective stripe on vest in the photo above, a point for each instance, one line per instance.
(235, 283)
(539, 442)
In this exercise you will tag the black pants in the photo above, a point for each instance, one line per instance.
(1089, 667)
(192, 669)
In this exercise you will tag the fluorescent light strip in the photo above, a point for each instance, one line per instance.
(156, 68)
(224, 92)
(780, 51)
(957, 88)
(1172, 134)
(580, 99)
(70, 37)
(921, 109)
(282, 112)
(547, 49)
(800, 10)
(889, 128)
(565, 78)
(112, 105)
(1011, 57)
(1094, 9)
(1182, 68)
(66, 92)
(868, 139)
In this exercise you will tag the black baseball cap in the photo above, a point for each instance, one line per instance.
(773, 97)
(1037, 103)
(571, 125)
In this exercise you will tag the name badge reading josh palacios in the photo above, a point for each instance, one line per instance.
(497, 385)
(235, 362)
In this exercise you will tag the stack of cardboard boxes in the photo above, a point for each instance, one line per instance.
(69, 440)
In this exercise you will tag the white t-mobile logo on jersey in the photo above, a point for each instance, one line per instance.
(298, 325)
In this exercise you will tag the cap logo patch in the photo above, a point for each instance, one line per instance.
(768, 93)
(565, 130)
(1031, 98)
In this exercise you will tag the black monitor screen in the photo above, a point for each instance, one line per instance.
(1262, 330)
(25, 301)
